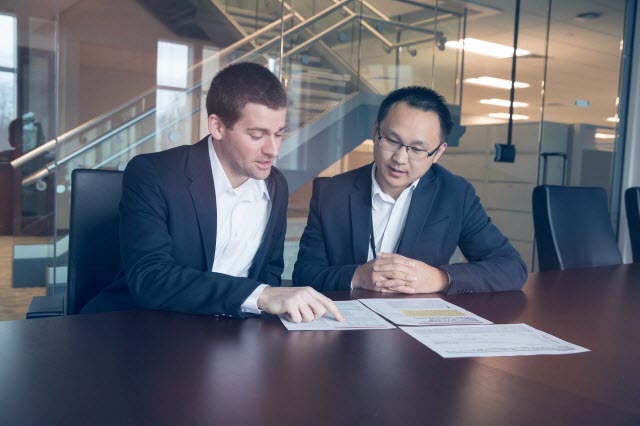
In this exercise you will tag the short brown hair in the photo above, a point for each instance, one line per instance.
(239, 84)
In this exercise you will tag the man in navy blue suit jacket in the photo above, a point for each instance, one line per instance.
(198, 244)
(392, 226)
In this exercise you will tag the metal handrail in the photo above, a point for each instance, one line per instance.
(398, 24)
(144, 139)
(50, 145)
(42, 149)
(318, 36)
(44, 172)
(304, 24)
(368, 27)
(295, 29)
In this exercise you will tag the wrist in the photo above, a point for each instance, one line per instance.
(355, 280)
(263, 298)
(444, 281)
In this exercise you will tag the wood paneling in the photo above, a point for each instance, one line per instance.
(14, 302)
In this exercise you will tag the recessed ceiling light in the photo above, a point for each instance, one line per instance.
(588, 16)
(614, 119)
(503, 102)
(486, 48)
(605, 136)
(582, 103)
(505, 116)
(495, 82)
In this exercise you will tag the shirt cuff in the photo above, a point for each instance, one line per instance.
(250, 306)
(450, 281)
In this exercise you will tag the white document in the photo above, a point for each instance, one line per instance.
(356, 315)
(490, 340)
(423, 312)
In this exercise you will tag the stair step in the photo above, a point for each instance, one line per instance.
(249, 23)
(320, 73)
(306, 93)
(239, 12)
(311, 106)
(310, 81)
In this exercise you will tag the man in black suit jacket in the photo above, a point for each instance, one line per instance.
(171, 217)
(392, 226)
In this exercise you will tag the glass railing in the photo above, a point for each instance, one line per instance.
(329, 51)
(329, 63)
(172, 117)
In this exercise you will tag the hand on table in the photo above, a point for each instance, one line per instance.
(297, 303)
(393, 273)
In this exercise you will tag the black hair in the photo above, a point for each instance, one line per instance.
(422, 98)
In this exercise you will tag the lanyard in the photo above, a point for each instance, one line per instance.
(372, 241)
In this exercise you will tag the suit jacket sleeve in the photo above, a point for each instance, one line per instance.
(313, 267)
(494, 265)
(152, 275)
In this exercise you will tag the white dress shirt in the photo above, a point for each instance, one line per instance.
(242, 216)
(388, 215)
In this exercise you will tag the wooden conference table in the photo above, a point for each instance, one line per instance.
(155, 368)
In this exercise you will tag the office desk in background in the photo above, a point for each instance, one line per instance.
(155, 368)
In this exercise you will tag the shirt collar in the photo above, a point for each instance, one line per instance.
(251, 190)
(378, 193)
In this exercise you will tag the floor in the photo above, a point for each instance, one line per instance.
(14, 302)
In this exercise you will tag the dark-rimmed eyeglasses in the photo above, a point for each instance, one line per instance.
(412, 151)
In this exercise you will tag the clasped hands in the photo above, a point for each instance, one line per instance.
(389, 273)
(393, 273)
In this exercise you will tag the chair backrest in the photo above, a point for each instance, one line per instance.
(94, 243)
(632, 201)
(573, 228)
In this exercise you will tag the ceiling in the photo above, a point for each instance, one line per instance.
(583, 56)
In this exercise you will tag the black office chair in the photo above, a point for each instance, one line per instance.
(572, 228)
(94, 244)
(632, 202)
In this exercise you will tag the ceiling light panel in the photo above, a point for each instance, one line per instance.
(486, 48)
(505, 116)
(495, 82)
(503, 103)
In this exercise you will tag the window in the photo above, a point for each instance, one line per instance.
(8, 82)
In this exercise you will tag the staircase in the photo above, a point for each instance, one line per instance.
(330, 100)
(313, 84)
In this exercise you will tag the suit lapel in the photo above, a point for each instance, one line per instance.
(360, 207)
(203, 194)
(419, 209)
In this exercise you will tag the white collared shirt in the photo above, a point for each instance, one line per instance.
(388, 215)
(242, 216)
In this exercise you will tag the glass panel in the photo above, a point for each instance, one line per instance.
(7, 41)
(8, 104)
(373, 47)
(588, 43)
(27, 118)
(504, 188)
(132, 78)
